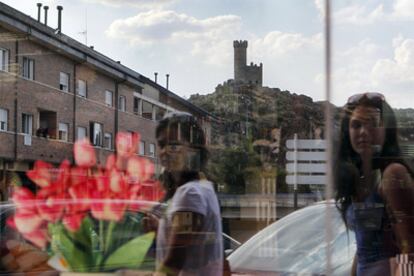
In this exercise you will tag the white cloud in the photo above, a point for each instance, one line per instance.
(365, 68)
(320, 6)
(403, 9)
(208, 37)
(142, 4)
(290, 61)
(400, 69)
(277, 43)
(359, 15)
(365, 14)
(352, 70)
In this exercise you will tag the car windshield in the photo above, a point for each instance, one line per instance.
(298, 244)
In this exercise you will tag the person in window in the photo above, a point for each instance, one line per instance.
(374, 187)
(189, 236)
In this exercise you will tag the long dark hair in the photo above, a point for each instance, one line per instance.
(347, 167)
(183, 127)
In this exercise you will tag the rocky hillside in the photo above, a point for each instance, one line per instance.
(252, 111)
(252, 126)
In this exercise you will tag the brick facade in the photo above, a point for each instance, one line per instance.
(42, 99)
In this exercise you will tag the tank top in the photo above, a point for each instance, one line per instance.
(373, 232)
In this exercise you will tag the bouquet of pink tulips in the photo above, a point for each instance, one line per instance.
(87, 217)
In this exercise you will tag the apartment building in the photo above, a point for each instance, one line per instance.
(54, 90)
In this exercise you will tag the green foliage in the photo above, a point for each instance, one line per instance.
(103, 245)
(130, 255)
(230, 167)
(74, 253)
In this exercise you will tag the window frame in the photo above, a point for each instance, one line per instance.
(27, 129)
(28, 68)
(77, 132)
(107, 102)
(122, 103)
(110, 145)
(78, 90)
(62, 86)
(152, 150)
(92, 132)
(5, 123)
(4, 59)
(141, 148)
(67, 132)
(137, 108)
(145, 114)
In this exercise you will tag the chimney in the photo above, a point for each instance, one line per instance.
(91, 47)
(39, 6)
(45, 8)
(156, 76)
(168, 76)
(59, 8)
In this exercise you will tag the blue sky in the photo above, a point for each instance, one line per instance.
(373, 45)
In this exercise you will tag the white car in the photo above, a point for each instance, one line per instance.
(297, 245)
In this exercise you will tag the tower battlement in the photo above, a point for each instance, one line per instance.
(243, 73)
(240, 44)
(255, 65)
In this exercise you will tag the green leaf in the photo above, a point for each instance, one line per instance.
(125, 230)
(95, 251)
(83, 235)
(77, 259)
(131, 254)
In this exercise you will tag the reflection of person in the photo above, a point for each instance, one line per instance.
(189, 240)
(374, 185)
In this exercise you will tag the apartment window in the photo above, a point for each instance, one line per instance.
(108, 98)
(137, 106)
(63, 132)
(141, 147)
(108, 141)
(64, 82)
(27, 124)
(96, 134)
(81, 133)
(152, 150)
(81, 88)
(147, 110)
(4, 59)
(47, 124)
(122, 103)
(159, 113)
(28, 68)
(3, 119)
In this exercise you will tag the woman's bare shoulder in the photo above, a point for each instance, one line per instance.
(396, 170)
(396, 174)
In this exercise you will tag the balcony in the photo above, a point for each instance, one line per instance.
(49, 150)
(6, 145)
(47, 124)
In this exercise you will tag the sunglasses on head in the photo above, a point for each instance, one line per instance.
(372, 96)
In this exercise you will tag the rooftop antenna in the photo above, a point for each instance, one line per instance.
(45, 9)
(39, 6)
(59, 28)
(85, 32)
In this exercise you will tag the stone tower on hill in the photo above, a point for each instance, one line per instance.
(243, 73)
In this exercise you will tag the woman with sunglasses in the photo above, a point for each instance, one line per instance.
(189, 238)
(374, 187)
